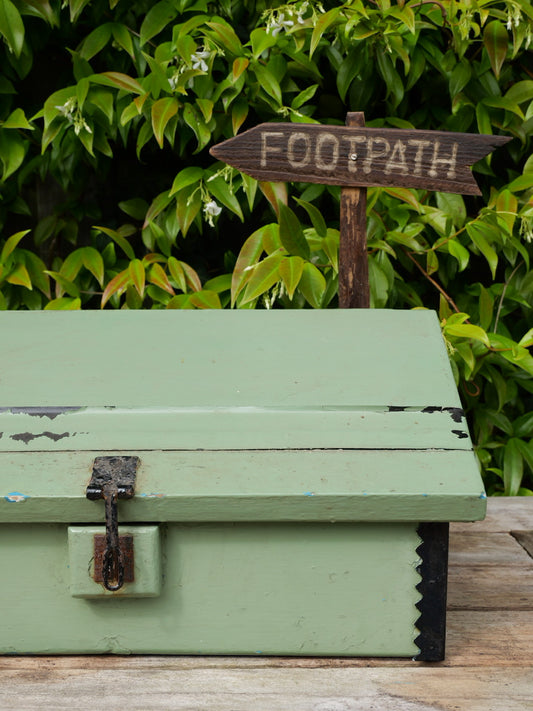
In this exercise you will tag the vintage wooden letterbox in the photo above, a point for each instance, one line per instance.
(290, 474)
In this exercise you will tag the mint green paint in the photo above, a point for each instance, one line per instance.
(147, 562)
(232, 428)
(375, 485)
(287, 458)
(308, 589)
(225, 359)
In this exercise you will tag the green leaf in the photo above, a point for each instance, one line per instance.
(93, 262)
(322, 24)
(460, 77)
(477, 232)
(467, 330)
(205, 299)
(119, 239)
(496, 41)
(181, 301)
(315, 215)
(404, 194)
(188, 206)
(136, 208)
(225, 36)
(219, 284)
(239, 112)
(177, 273)
(312, 285)
(17, 119)
(122, 37)
(264, 275)
(10, 245)
(117, 286)
(454, 206)
(95, 41)
(11, 27)
(523, 426)
(261, 40)
(117, 79)
(304, 96)
(72, 265)
(268, 82)
(156, 19)
(248, 257)
(513, 467)
(486, 308)
(193, 119)
(20, 277)
(162, 111)
(65, 284)
(193, 280)
(223, 193)
(137, 275)
(157, 276)
(12, 152)
(275, 193)
(291, 233)
(76, 6)
(520, 92)
(188, 176)
(290, 270)
(63, 304)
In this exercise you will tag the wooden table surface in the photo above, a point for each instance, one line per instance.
(489, 663)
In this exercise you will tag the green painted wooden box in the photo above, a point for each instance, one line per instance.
(297, 473)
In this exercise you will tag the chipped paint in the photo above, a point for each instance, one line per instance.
(460, 433)
(456, 413)
(50, 412)
(27, 437)
(309, 493)
(15, 497)
(153, 495)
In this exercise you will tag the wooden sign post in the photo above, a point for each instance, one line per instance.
(355, 157)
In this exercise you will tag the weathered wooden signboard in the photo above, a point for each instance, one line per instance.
(342, 155)
(355, 156)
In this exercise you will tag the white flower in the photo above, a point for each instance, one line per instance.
(280, 23)
(198, 60)
(211, 210)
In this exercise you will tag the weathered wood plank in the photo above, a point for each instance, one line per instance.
(490, 588)
(338, 155)
(354, 289)
(350, 689)
(503, 514)
(493, 549)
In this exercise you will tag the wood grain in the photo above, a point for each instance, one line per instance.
(354, 289)
(335, 155)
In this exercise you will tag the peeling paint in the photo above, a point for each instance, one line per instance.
(15, 497)
(460, 433)
(456, 413)
(50, 412)
(397, 408)
(309, 493)
(153, 495)
(27, 437)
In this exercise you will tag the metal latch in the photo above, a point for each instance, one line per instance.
(113, 478)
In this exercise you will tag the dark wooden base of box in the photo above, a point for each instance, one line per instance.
(434, 571)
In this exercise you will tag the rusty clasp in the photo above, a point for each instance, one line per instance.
(112, 478)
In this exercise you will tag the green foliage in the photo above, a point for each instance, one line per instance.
(109, 198)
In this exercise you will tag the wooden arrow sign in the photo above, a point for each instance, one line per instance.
(342, 155)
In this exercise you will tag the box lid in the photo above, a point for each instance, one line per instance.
(278, 415)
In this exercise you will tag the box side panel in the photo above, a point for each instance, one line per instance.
(279, 589)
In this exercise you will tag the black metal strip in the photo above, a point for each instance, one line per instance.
(434, 571)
